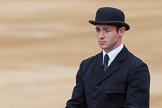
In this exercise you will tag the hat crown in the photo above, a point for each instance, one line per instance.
(109, 14)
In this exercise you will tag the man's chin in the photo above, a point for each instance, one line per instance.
(103, 47)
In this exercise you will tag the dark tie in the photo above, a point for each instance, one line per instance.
(106, 59)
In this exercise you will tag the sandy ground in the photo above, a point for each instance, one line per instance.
(42, 43)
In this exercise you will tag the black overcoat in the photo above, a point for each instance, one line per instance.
(125, 84)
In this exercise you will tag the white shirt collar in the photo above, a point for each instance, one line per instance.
(112, 54)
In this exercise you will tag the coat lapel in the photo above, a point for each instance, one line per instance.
(114, 66)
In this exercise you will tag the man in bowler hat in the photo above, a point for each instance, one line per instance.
(114, 78)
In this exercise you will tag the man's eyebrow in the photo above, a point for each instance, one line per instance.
(106, 28)
(97, 28)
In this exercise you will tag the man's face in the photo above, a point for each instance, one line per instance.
(109, 37)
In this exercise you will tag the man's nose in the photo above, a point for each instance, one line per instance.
(101, 34)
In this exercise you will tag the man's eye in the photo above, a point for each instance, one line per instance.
(106, 30)
(97, 30)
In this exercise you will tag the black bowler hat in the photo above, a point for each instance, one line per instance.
(110, 16)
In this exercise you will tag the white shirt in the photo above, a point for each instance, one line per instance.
(112, 54)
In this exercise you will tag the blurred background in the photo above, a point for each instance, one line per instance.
(42, 43)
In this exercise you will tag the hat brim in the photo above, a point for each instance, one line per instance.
(116, 23)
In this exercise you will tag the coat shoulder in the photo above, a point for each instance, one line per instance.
(91, 59)
(134, 60)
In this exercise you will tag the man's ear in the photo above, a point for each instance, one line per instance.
(121, 31)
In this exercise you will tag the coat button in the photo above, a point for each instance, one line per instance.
(94, 100)
(97, 86)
